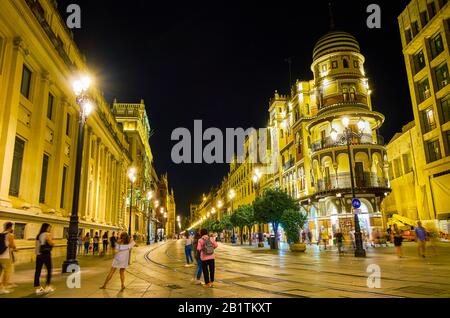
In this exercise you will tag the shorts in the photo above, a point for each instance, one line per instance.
(398, 241)
(6, 266)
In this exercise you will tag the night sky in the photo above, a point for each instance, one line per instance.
(222, 61)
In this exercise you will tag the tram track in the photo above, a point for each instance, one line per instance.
(148, 258)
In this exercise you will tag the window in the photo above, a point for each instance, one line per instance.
(415, 28)
(407, 162)
(44, 179)
(447, 139)
(391, 171)
(397, 168)
(68, 123)
(334, 65)
(324, 68)
(419, 61)
(307, 109)
(352, 94)
(356, 64)
(19, 231)
(92, 149)
(26, 82)
(424, 90)
(424, 18)
(432, 10)
(442, 3)
(428, 120)
(16, 173)
(51, 100)
(63, 187)
(346, 65)
(441, 73)
(433, 150)
(436, 46)
(445, 108)
(408, 36)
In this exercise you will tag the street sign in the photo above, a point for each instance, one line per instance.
(356, 211)
(356, 203)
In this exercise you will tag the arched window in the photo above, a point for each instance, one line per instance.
(352, 94)
(345, 94)
(346, 65)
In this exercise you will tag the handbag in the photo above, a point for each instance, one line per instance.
(45, 249)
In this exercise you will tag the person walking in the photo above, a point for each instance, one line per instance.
(113, 241)
(398, 239)
(87, 243)
(7, 247)
(309, 237)
(421, 236)
(206, 246)
(105, 243)
(188, 249)
(79, 244)
(324, 236)
(199, 270)
(121, 259)
(339, 241)
(44, 246)
(96, 243)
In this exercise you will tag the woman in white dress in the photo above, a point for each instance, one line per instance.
(121, 259)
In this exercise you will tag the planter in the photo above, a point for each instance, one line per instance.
(298, 247)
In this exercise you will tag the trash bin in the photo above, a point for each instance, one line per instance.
(272, 242)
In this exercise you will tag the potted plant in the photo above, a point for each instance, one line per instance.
(292, 221)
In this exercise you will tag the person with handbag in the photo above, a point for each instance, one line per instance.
(398, 239)
(44, 246)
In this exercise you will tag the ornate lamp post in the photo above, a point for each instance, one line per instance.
(165, 221)
(149, 215)
(157, 220)
(132, 177)
(163, 230)
(80, 88)
(346, 138)
(257, 175)
(179, 224)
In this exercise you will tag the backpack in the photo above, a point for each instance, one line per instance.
(3, 246)
(208, 247)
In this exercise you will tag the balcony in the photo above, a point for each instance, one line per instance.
(342, 181)
(365, 139)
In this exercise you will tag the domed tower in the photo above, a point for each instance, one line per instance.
(345, 125)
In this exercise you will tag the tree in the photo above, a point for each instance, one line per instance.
(292, 222)
(269, 208)
(242, 217)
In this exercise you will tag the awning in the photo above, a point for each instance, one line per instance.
(404, 220)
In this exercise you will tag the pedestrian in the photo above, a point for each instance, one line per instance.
(113, 241)
(352, 238)
(206, 246)
(121, 259)
(188, 248)
(398, 239)
(303, 236)
(7, 247)
(105, 243)
(324, 236)
(309, 237)
(339, 241)
(96, 243)
(199, 270)
(87, 243)
(80, 244)
(44, 246)
(421, 236)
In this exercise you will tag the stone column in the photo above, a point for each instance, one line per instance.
(9, 112)
(95, 203)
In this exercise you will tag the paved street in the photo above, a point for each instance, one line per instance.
(158, 271)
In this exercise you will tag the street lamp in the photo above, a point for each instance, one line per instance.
(80, 88)
(179, 224)
(132, 177)
(347, 139)
(149, 213)
(231, 196)
(165, 220)
(157, 221)
(257, 175)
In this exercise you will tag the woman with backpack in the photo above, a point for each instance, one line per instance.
(44, 246)
(7, 246)
(206, 246)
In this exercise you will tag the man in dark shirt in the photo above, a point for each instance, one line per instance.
(339, 241)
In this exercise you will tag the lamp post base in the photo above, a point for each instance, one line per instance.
(360, 253)
(69, 266)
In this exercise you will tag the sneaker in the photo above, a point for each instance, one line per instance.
(4, 291)
(206, 286)
(49, 289)
(211, 285)
(40, 291)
